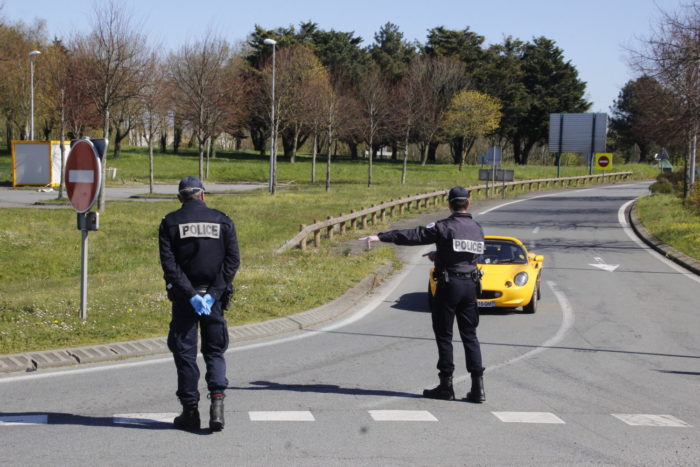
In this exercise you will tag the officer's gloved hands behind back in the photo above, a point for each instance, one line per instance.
(200, 306)
(209, 300)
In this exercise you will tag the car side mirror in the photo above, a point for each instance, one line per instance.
(539, 258)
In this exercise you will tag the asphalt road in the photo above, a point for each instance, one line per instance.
(27, 197)
(605, 373)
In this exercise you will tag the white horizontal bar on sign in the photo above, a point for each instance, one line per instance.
(81, 176)
(641, 419)
(528, 417)
(8, 420)
(142, 418)
(282, 416)
(402, 416)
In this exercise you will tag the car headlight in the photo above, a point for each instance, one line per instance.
(521, 279)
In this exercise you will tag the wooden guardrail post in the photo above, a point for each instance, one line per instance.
(302, 243)
(353, 221)
(317, 236)
(329, 229)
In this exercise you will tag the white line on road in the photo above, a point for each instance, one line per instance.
(402, 416)
(567, 323)
(282, 416)
(651, 420)
(630, 233)
(11, 420)
(143, 418)
(528, 417)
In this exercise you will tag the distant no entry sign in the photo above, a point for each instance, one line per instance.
(83, 176)
(603, 161)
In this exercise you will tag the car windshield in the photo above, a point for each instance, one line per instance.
(502, 252)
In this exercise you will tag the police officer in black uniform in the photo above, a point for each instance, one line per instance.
(199, 255)
(460, 241)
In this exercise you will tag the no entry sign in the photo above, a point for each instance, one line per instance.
(83, 176)
(603, 161)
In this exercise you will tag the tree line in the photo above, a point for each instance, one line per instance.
(330, 90)
(659, 111)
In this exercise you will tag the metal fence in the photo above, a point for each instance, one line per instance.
(369, 216)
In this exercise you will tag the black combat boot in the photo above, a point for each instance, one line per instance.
(188, 419)
(216, 411)
(442, 391)
(477, 393)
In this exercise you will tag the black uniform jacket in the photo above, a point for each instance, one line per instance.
(198, 248)
(459, 240)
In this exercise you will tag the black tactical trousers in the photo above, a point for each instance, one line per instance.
(456, 298)
(182, 342)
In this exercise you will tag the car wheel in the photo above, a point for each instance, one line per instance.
(532, 306)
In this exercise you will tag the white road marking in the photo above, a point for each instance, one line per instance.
(599, 263)
(528, 417)
(143, 418)
(651, 420)
(11, 420)
(402, 416)
(567, 323)
(282, 416)
(630, 233)
(536, 230)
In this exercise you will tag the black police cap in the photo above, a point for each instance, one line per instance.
(190, 185)
(458, 193)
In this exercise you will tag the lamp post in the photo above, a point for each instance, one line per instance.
(32, 54)
(273, 126)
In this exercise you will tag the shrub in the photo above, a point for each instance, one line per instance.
(693, 201)
(662, 185)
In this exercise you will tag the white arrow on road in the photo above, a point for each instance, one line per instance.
(606, 267)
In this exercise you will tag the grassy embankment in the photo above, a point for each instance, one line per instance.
(665, 216)
(40, 248)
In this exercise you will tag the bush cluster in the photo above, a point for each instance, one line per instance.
(672, 183)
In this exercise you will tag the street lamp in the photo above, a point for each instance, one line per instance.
(273, 127)
(32, 54)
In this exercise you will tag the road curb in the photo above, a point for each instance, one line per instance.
(32, 361)
(669, 252)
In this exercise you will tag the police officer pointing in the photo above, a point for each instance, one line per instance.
(459, 242)
(199, 255)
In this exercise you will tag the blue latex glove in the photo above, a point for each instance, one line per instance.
(209, 300)
(200, 307)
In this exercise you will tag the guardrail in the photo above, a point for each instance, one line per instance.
(370, 215)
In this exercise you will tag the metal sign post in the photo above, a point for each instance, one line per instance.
(83, 177)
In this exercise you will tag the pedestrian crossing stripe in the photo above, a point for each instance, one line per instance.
(143, 418)
(33, 419)
(402, 416)
(282, 416)
(528, 417)
(650, 420)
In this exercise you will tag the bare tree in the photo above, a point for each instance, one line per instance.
(153, 107)
(672, 56)
(373, 99)
(112, 58)
(197, 74)
(438, 79)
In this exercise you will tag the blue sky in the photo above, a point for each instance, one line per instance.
(594, 34)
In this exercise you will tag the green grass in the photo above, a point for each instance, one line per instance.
(40, 248)
(670, 221)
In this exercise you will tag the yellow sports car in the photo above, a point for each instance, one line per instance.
(510, 275)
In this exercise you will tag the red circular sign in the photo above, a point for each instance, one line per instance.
(83, 175)
(603, 161)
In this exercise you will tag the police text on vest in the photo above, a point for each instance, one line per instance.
(200, 230)
(467, 246)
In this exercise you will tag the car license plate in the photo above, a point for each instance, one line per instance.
(486, 303)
